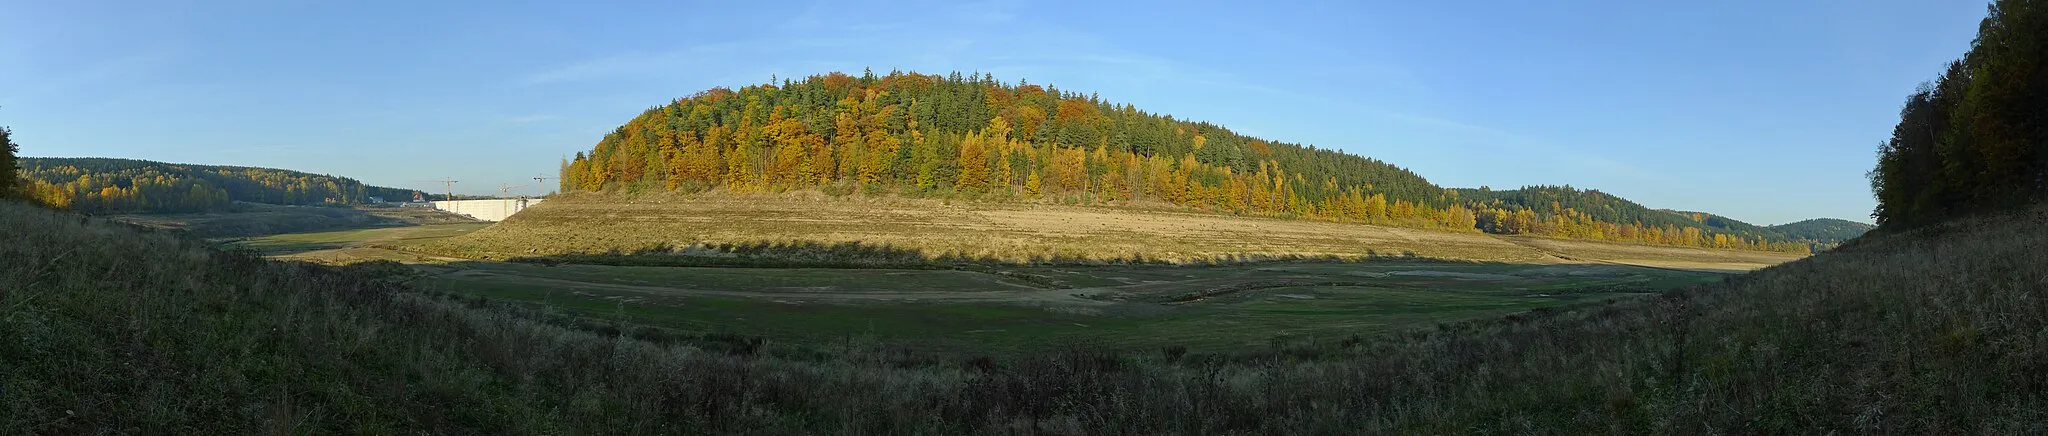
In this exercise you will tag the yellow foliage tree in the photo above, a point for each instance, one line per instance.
(973, 162)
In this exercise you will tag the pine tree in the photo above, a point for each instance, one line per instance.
(10, 184)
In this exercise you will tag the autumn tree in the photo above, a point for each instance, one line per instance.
(673, 164)
(974, 158)
(1069, 169)
(1462, 219)
(703, 160)
(568, 174)
(1376, 207)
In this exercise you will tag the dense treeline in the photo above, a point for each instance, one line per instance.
(1975, 139)
(977, 137)
(97, 185)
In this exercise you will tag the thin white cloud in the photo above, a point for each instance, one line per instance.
(125, 68)
(986, 12)
(726, 56)
(527, 119)
(627, 64)
(1455, 125)
(876, 27)
(1526, 144)
(813, 15)
(268, 148)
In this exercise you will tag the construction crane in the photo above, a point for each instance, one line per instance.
(505, 189)
(540, 184)
(447, 185)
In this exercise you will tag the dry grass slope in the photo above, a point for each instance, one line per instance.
(256, 219)
(105, 329)
(1005, 232)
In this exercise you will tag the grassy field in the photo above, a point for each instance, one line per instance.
(968, 301)
(884, 231)
(1205, 308)
(1000, 307)
(1003, 308)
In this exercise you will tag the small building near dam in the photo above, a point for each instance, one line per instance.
(493, 210)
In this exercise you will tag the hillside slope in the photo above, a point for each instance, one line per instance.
(104, 185)
(108, 329)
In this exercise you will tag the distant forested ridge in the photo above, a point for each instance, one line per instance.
(976, 137)
(1975, 139)
(1590, 214)
(1825, 230)
(100, 185)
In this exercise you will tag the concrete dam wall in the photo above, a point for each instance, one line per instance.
(487, 210)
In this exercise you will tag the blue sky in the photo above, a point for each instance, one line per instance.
(1765, 111)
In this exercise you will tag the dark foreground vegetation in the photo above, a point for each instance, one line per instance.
(109, 327)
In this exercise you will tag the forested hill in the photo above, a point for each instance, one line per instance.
(921, 131)
(101, 185)
(976, 137)
(1827, 230)
(1973, 141)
